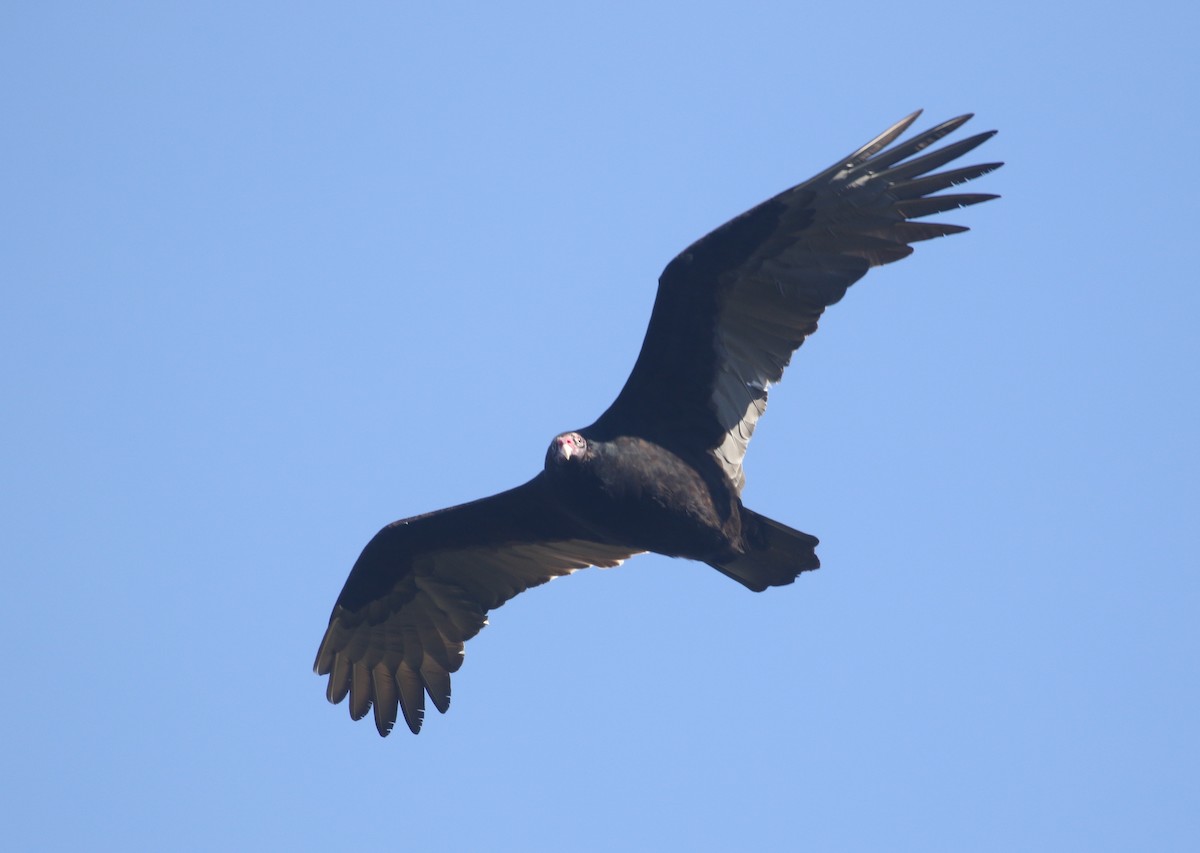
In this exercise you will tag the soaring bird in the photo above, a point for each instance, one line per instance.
(661, 469)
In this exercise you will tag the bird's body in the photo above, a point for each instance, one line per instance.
(661, 469)
(633, 491)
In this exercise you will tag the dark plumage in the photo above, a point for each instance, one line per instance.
(661, 469)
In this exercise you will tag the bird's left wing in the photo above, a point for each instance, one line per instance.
(733, 307)
(423, 586)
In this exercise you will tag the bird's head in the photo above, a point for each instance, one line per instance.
(565, 447)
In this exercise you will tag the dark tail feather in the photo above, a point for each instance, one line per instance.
(774, 556)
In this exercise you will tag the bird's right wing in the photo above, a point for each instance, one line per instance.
(423, 586)
(734, 306)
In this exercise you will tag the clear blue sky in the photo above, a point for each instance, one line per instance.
(275, 275)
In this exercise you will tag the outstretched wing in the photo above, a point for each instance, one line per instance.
(423, 586)
(733, 307)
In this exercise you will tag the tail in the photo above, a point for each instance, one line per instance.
(774, 555)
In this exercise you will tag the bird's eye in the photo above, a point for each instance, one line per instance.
(578, 439)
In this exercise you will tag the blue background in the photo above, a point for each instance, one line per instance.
(277, 274)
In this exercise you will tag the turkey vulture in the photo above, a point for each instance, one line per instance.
(661, 469)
